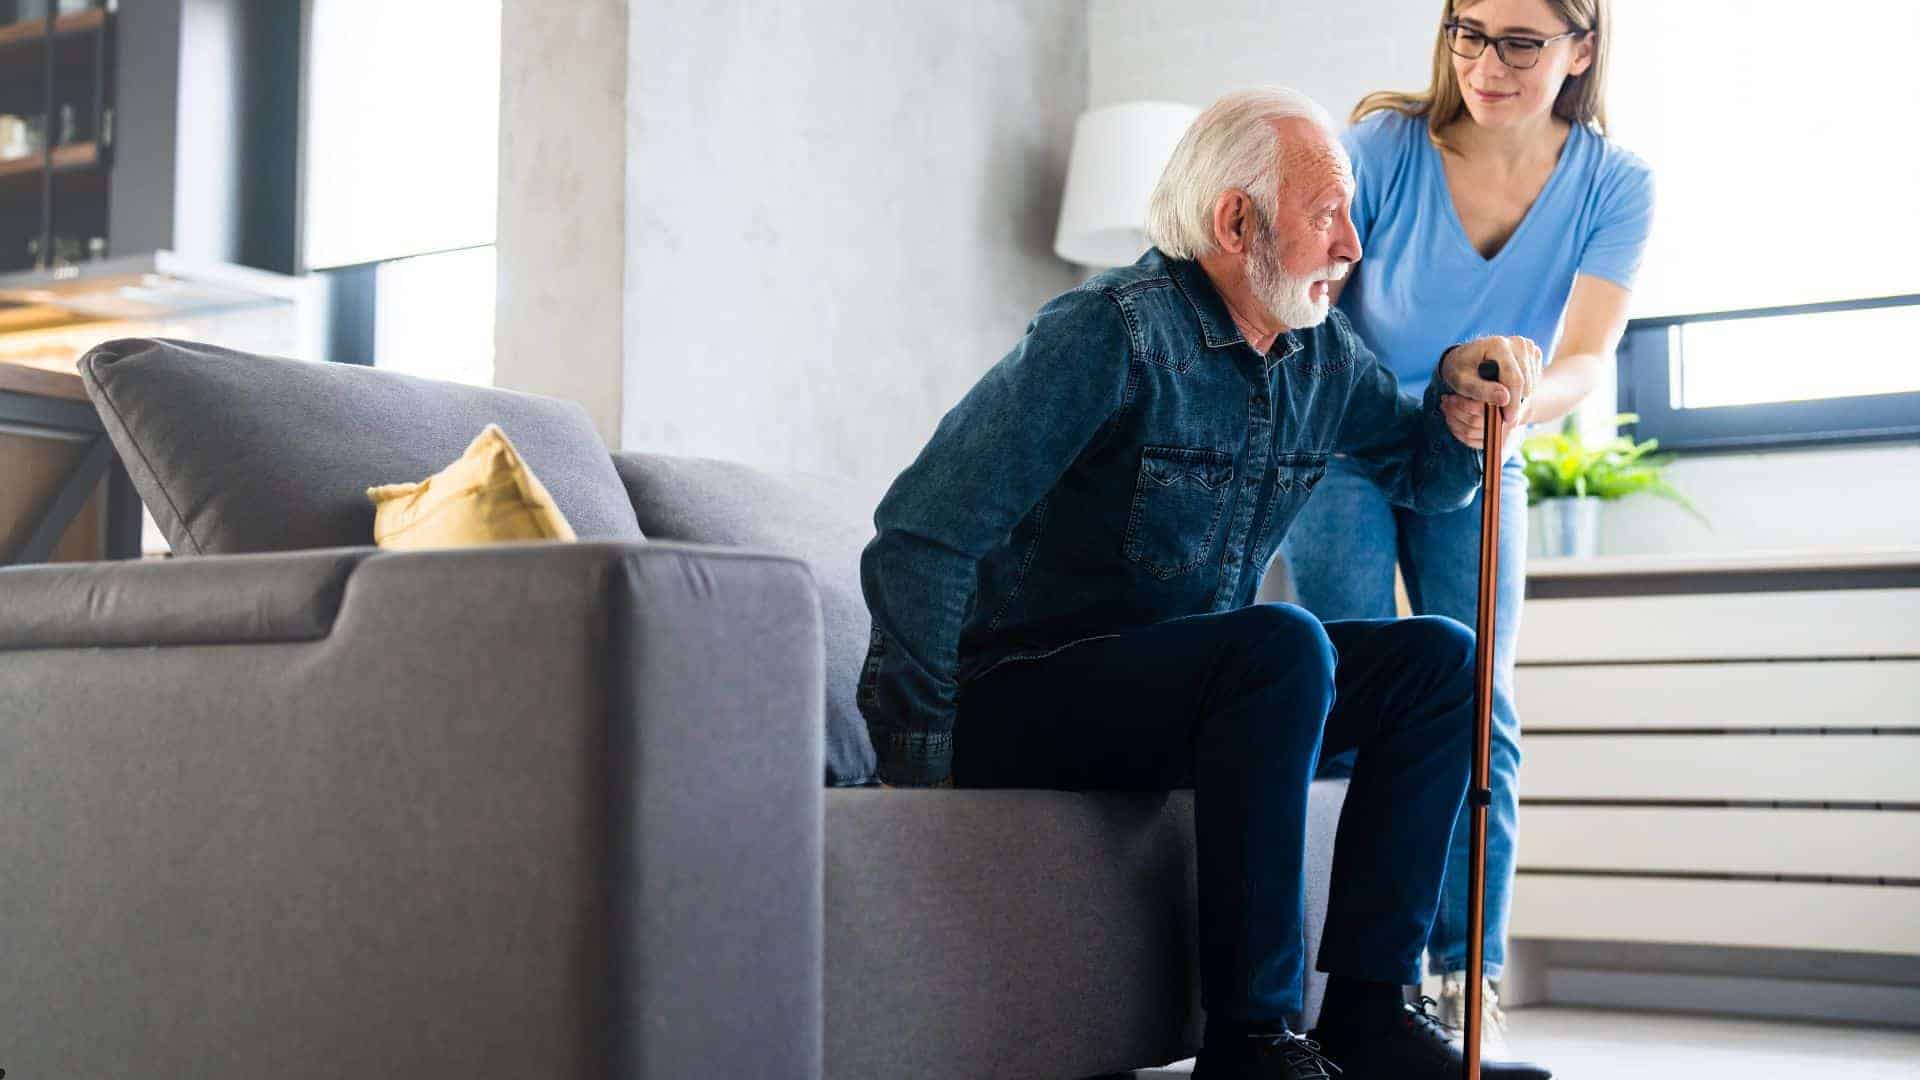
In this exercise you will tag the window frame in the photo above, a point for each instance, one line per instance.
(353, 306)
(1645, 388)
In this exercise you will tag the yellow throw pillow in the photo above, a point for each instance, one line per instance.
(489, 496)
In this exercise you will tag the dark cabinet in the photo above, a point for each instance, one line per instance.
(155, 125)
(56, 132)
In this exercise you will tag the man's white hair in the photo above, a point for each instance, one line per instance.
(1232, 146)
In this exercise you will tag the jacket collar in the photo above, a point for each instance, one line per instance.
(1217, 328)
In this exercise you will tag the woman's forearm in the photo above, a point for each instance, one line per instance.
(1563, 386)
(1595, 318)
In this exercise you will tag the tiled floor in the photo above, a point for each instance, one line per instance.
(1591, 1044)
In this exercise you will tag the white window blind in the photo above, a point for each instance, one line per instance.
(1782, 137)
(434, 316)
(1781, 358)
(403, 119)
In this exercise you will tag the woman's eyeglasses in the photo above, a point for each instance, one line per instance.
(1518, 53)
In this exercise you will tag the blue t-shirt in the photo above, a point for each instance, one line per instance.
(1420, 286)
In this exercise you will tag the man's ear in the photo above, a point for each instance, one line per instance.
(1232, 219)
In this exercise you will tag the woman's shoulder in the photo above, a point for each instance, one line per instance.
(1619, 182)
(1617, 168)
(1384, 134)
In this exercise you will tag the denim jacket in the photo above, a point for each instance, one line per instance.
(1132, 460)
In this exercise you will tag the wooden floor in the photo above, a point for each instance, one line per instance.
(1593, 1044)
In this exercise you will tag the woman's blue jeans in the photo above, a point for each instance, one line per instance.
(1341, 552)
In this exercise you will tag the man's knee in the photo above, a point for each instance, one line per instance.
(1443, 647)
(1275, 684)
(1287, 641)
(1447, 641)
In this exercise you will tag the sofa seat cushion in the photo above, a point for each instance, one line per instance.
(820, 520)
(236, 453)
(1026, 933)
(1008, 933)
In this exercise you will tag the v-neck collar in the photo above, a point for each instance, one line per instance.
(1445, 194)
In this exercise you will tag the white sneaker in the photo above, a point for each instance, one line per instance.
(1452, 1011)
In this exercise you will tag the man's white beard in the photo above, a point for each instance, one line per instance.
(1286, 296)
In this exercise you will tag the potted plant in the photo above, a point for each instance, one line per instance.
(1568, 481)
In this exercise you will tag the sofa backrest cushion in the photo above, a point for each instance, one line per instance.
(819, 520)
(239, 453)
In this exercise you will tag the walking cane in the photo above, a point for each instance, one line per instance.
(1480, 793)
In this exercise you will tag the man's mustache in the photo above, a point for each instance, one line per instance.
(1332, 272)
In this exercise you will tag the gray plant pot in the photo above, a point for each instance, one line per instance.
(1564, 527)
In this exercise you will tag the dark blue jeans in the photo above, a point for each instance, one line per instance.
(1342, 551)
(1239, 706)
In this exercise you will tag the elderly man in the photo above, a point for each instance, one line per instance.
(1063, 589)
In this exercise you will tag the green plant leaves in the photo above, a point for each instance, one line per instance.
(1560, 465)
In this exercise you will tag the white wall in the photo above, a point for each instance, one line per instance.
(1194, 51)
(817, 235)
(835, 225)
(1197, 50)
(561, 245)
(1853, 497)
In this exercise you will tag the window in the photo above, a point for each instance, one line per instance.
(1815, 373)
(1776, 358)
(433, 316)
(1780, 294)
(400, 180)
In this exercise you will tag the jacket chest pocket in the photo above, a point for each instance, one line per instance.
(1178, 501)
(1294, 478)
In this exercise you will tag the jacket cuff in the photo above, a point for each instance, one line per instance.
(1440, 369)
(1441, 435)
(914, 758)
(1445, 452)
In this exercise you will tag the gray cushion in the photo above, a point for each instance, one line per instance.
(1009, 933)
(574, 834)
(239, 453)
(1026, 933)
(819, 520)
(1325, 799)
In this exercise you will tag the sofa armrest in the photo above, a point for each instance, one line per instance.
(232, 599)
(545, 810)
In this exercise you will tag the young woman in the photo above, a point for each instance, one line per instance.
(1491, 203)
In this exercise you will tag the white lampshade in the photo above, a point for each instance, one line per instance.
(1118, 154)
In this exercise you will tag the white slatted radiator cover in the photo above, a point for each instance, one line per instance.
(1722, 752)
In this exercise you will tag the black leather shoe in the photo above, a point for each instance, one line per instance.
(1409, 1045)
(1284, 1056)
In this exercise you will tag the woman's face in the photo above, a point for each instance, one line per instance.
(1499, 96)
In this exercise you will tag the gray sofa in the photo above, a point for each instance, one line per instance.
(285, 807)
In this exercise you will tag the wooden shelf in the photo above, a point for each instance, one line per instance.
(21, 32)
(20, 166)
(43, 382)
(35, 29)
(15, 318)
(1784, 560)
(80, 155)
(67, 158)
